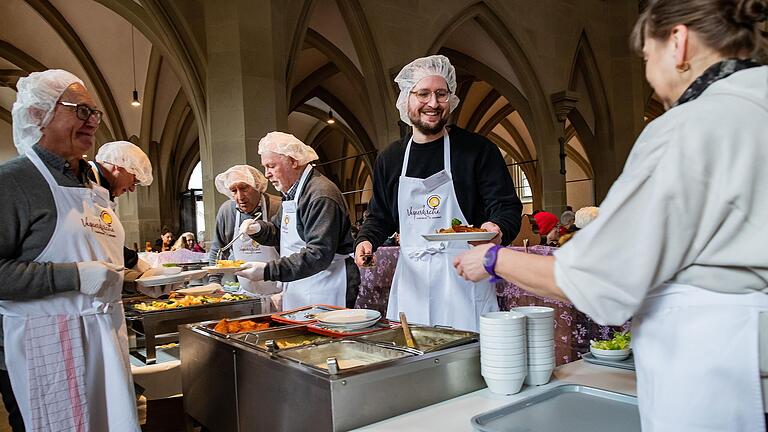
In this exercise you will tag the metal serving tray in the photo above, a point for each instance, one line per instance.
(284, 338)
(427, 339)
(573, 408)
(627, 363)
(152, 324)
(348, 354)
(209, 326)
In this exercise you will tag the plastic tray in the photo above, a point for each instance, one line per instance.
(319, 328)
(573, 408)
(303, 315)
(627, 363)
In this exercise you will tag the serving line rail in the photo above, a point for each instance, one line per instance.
(454, 415)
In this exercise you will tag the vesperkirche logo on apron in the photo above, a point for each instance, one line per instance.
(102, 226)
(430, 210)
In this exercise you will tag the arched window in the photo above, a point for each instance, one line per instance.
(195, 187)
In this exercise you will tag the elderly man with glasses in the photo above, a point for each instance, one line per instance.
(61, 261)
(423, 183)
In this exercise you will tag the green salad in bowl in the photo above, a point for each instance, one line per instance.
(620, 341)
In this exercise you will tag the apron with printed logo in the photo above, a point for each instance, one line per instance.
(67, 354)
(328, 286)
(249, 250)
(425, 285)
(697, 359)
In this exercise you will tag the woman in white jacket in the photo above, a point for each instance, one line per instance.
(696, 290)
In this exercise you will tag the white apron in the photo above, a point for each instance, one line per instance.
(697, 360)
(67, 354)
(249, 250)
(425, 285)
(326, 287)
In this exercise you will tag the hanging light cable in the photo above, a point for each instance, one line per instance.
(135, 101)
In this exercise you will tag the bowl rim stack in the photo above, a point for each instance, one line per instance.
(503, 351)
(540, 345)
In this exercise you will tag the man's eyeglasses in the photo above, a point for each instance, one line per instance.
(424, 96)
(84, 112)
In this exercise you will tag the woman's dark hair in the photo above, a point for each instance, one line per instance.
(165, 230)
(733, 28)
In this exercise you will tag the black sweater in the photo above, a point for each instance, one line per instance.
(481, 179)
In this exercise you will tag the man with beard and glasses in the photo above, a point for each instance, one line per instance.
(423, 182)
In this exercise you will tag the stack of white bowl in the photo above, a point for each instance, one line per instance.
(540, 327)
(502, 351)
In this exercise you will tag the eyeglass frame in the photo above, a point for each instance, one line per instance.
(98, 113)
(429, 96)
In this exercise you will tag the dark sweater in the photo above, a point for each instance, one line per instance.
(323, 223)
(481, 179)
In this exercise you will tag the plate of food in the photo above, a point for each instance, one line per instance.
(460, 232)
(616, 349)
(225, 267)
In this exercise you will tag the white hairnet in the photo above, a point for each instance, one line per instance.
(414, 71)
(585, 215)
(240, 174)
(35, 101)
(130, 157)
(288, 145)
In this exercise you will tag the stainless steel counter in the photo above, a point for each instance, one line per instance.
(230, 386)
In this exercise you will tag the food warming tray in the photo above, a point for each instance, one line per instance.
(319, 328)
(427, 339)
(348, 354)
(573, 408)
(151, 324)
(283, 338)
(209, 326)
(627, 363)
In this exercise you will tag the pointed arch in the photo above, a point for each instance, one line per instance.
(599, 146)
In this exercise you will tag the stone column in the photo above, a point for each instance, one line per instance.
(245, 86)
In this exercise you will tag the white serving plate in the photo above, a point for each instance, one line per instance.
(158, 280)
(463, 236)
(347, 317)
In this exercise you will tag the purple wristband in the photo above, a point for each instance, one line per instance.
(489, 262)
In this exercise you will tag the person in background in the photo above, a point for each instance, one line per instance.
(584, 216)
(567, 218)
(165, 242)
(246, 187)
(420, 184)
(697, 292)
(120, 166)
(312, 228)
(61, 260)
(187, 241)
(546, 223)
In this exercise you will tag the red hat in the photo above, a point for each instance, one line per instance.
(545, 221)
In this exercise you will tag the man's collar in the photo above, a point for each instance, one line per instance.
(80, 172)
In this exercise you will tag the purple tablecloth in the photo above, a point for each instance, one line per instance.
(573, 329)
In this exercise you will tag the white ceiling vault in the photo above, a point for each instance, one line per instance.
(341, 58)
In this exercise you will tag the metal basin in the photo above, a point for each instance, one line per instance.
(348, 354)
(427, 339)
(286, 337)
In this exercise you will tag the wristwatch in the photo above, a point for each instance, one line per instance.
(489, 262)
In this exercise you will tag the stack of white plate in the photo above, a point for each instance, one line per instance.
(349, 319)
(540, 327)
(502, 351)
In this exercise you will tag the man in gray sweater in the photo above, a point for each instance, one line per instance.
(312, 229)
(54, 122)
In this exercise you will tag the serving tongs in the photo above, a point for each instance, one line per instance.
(229, 245)
(409, 341)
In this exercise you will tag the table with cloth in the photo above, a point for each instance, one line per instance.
(573, 329)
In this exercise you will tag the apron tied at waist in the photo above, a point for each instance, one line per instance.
(420, 253)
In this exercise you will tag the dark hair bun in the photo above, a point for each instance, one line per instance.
(750, 11)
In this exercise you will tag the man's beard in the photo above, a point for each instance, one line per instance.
(427, 129)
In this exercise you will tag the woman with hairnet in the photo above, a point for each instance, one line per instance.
(422, 183)
(246, 187)
(61, 258)
(312, 229)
